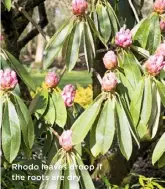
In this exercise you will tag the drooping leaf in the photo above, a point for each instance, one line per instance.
(146, 109)
(159, 149)
(161, 89)
(123, 132)
(21, 71)
(82, 125)
(56, 43)
(50, 112)
(47, 142)
(141, 33)
(141, 51)
(105, 128)
(1, 109)
(154, 37)
(61, 113)
(73, 45)
(136, 102)
(26, 122)
(89, 56)
(131, 69)
(161, 161)
(8, 4)
(11, 132)
(104, 22)
(85, 177)
(39, 103)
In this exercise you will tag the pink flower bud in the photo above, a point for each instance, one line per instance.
(1, 38)
(162, 25)
(109, 82)
(161, 49)
(79, 7)
(159, 6)
(8, 79)
(68, 94)
(51, 80)
(65, 140)
(154, 64)
(123, 38)
(110, 60)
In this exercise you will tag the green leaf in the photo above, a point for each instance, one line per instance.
(61, 113)
(56, 43)
(21, 71)
(11, 132)
(104, 22)
(105, 128)
(57, 162)
(8, 4)
(1, 109)
(39, 103)
(161, 161)
(50, 113)
(161, 89)
(141, 51)
(156, 110)
(131, 68)
(26, 122)
(47, 142)
(87, 181)
(159, 149)
(113, 18)
(89, 56)
(146, 109)
(154, 37)
(136, 102)
(141, 33)
(123, 134)
(73, 45)
(82, 125)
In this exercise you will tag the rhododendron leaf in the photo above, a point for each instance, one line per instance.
(11, 132)
(105, 128)
(123, 132)
(56, 43)
(83, 124)
(131, 68)
(104, 22)
(85, 177)
(26, 122)
(154, 37)
(96, 33)
(161, 89)
(47, 142)
(73, 45)
(155, 113)
(141, 51)
(159, 149)
(141, 33)
(57, 162)
(113, 18)
(161, 161)
(61, 113)
(3, 63)
(8, 4)
(50, 112)
(1, 110)
(89, 56)
(39, 103)
(21, 71)
(146, 109)
(136, 102)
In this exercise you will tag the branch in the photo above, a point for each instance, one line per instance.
(97, 75)
(134, 10)
(34, 32)
(38, 27)
(55, 133)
